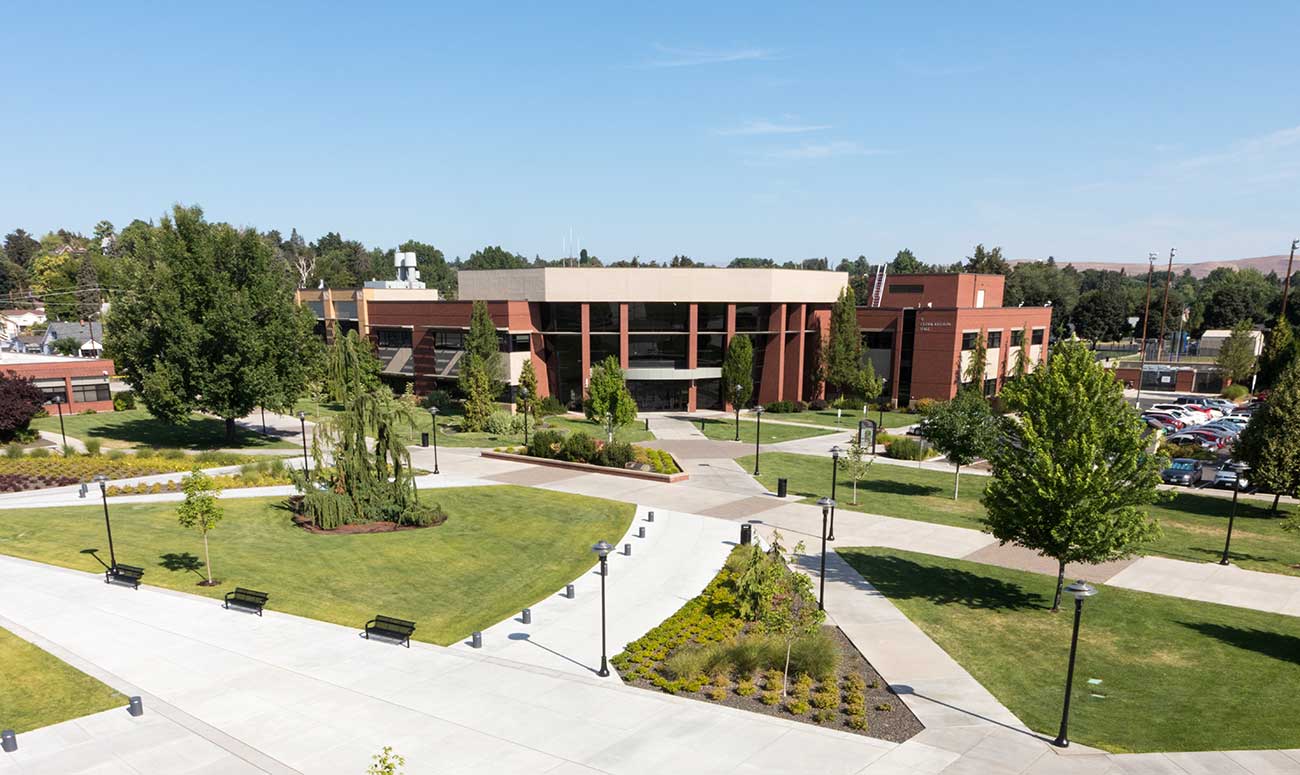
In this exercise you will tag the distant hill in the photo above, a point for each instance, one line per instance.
(1264, 264)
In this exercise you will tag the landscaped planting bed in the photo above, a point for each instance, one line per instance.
(264, 473)
(709, 651)
(578, 447)
(36, 470)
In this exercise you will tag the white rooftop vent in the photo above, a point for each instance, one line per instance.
(407, 275)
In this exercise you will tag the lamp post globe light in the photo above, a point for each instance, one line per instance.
(302, 420)
(102, 481)
(835, 473)
(58, 402)
(609, 427)
(758, 433)
(737, 405)
(1232, 516)
(828, 506)
(433, 414)
(602, 549)
(1080, 591)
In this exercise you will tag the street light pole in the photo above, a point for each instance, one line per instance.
(1146, 316)
(609, 427)
(1286, 286)
(306, 465)
(758, 433)
(1081, 591)
(737, 405)
(108, 526)
(1164, 309)
(1232, 517)
(433, 412)
(828, 505)
(835, 474)
(602, 548)
(58, 401)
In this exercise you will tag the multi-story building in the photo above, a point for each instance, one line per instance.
(80, 384)
(669, 328)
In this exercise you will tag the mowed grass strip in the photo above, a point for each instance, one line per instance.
(501, 549)
(847, 419)
(38, 689)
(1194, 525)
(1176, 675)
(137, 428)
(724, 429)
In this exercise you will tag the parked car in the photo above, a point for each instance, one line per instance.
(1162, 424)
(1183, 470)
(1222, 405)
(1230, 427)
(1184, 437)
(1194, 416)
(1211, 412)
(1232, 474)
(1164, 417)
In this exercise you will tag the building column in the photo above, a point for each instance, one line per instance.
(586, 346)
(780, 352)
(800, 318)
(692, 351)
(897, 366)
(731, 332)
(623, 348)
(67, 394)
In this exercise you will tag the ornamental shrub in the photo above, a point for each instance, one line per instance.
(546, 444)
(616, 455)
(439, 398)
(548, 406)
(904, 448)
(797, 707)
(817, 405)
(858, 722)
(20, 401)
(1235, 392)
(746, 688)
(124, 400)
(502, 423)
(923, 405)
(578, 447)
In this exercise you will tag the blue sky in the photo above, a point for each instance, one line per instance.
(785, 130)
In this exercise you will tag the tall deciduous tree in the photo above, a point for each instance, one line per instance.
(200, 511)
(1270, 444)
(1072, 471)
(480, 368)
(1237, 356)
(207, 321)
(987, 261)
(1280, 349)
(906, 262)
(20, 401)
(963, 429)
(844, 350)
(607, 394)
(738, 371)
(528, 381)
(1099, 316)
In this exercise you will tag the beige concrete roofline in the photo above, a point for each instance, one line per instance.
(699, 284)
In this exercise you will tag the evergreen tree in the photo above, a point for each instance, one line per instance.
(905, 262)
(963, 429)
(607, 394)
(1237, 356)
(1280, 349)
(738, 371)
(987, 261)
(1270, 444)
(207, 322)
(88, 299)
(1071, 471)
(479, 368)
(528, 381)
(844, 350)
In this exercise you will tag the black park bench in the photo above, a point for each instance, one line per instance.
(124, 574)
(393, 629)
(250, 599)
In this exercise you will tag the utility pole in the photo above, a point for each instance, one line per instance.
(1146, 313)
(1164, 310)
(1286, 286)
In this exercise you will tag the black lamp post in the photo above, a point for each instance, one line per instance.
(737, 405)
(302, 420)
(523, 400)
(835, 474)
(433, 412)
(1232, 516)
(1080, 591)
(602, 548)
(103, 494)
(758, 433)
(828, 506)
(609, 426)
(58, 401)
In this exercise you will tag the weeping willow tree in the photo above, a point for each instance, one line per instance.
(367, 474)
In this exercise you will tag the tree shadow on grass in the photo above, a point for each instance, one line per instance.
(891, 487)
(184, 561)
(1271, 644)
(1202, 553)
(196, 433)
(1211, 506)
(898, 579)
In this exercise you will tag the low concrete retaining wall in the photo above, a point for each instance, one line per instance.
(588, 467)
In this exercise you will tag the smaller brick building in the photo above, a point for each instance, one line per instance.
(81, 383)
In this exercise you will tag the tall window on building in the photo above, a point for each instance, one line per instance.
(1017, 337)
(968, 340)
(390, 338)
(84, 394)
(995, 340)
(1037, 336)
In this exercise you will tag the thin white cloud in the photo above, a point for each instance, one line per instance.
(678, 57)
(1249, 148)
(764, 127)
(815, 151)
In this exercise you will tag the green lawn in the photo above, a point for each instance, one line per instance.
(632, 432)
(138, 428)
(1177, 675)
(1194, 525)
(502, 548)
(848, 420)
(39, 689)
(724, 429)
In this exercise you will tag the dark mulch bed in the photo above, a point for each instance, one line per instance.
(367, 527)
(896, 724)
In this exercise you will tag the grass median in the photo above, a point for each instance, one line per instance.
(137, 428)
(1175, 675)
(501, 549)
(39, 689)
(1194, 525)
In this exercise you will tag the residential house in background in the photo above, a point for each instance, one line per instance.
(89, 338)
(14, 322)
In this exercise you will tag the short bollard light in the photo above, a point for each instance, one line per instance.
(640, 533)
(627, 550)
(568, 591)
(136, 708)
(476, 640)
(8, 742)
(528, 616)
(746, 534)
(650, 516)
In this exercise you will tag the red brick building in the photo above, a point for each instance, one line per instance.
(669, 328)
(80, 383)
